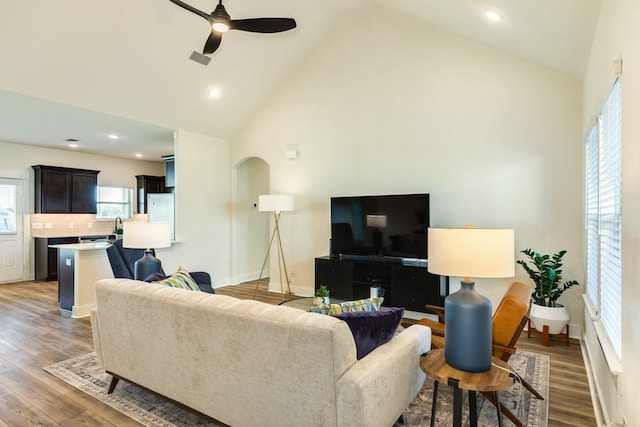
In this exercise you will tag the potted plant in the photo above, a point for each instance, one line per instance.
(118, 232)
(546, 274)
(321, 296)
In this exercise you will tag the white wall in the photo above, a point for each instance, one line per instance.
(376, 109)
(203, 208)
(113, 171)
(616, 37)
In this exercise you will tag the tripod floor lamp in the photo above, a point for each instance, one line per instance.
(276, 203)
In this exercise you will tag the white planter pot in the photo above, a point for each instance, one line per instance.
(318, 301)
(556, 318)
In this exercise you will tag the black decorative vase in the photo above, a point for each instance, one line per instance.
(467, 333)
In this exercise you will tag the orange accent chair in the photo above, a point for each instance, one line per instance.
(507, 325)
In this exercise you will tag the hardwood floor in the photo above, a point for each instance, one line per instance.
(35, 333)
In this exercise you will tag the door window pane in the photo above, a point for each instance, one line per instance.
(7, 208)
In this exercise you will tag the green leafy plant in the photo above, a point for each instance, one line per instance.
(545, 272)
(321, 292)
(118, 231)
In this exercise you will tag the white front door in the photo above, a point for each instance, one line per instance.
(11, 238)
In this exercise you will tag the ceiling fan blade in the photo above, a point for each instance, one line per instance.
(192, 9)
(263, 25)
(213, 42)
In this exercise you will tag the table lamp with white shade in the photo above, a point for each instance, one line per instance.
(470, 252)
(147, 236)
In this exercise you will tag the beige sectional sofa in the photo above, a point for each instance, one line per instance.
(246, 363)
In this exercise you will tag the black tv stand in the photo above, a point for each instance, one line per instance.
(372, 258)
(405, 284)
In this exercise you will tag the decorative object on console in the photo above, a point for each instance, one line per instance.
(321, 296)
(146, 235)
(470, 252)
(547, 316)
(276, 203)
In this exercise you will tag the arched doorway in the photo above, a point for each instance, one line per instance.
(252, 226)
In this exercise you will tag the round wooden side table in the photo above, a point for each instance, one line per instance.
(497, 378)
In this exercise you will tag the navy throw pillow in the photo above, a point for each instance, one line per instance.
(155, 277)
(371, 329)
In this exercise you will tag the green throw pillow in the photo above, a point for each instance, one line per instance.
(369, 304)
(180, 279)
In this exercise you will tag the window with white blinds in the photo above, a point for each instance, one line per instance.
(114, 202)
(603, 217)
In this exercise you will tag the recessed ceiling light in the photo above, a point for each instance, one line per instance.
(138, 155)
(215, 92)
(73, 145)
(493, 15)
(113, 136)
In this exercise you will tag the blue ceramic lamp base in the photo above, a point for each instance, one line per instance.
(146, 266)
(468, 330)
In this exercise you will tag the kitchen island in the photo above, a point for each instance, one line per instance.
(80, 265)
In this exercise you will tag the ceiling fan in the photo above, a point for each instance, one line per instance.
(221, 22)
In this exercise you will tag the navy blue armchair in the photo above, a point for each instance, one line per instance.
(123, 259)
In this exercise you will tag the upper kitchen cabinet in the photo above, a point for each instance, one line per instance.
(146, 184)
(65, 190)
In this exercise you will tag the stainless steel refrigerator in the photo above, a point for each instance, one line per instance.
(161, 207)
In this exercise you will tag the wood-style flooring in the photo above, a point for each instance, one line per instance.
(35, 333)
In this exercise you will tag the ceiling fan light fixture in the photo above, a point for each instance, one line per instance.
(220, 26)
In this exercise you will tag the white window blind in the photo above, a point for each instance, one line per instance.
(591, 219)
(610, 191)
(7, 208)
(114, 202)
(603, 212)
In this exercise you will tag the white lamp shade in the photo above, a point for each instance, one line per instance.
(275, 203)
(471, 252)
(378, 221)
(146, 235)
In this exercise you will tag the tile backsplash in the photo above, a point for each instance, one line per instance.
(68, 225)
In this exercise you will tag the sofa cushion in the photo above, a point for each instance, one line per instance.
(371, 329)
(180, 279)
(369, 304)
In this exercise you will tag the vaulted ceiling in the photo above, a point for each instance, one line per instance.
(82, 69)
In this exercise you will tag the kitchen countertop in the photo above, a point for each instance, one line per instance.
(83, 246)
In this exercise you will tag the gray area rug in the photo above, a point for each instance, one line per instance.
(86, 374)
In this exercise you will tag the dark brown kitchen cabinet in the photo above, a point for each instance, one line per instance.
(65, 190)
(46, 258)
(146, 184)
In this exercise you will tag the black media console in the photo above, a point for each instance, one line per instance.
(406, 284)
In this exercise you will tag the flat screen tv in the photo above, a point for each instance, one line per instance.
(380, 226)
